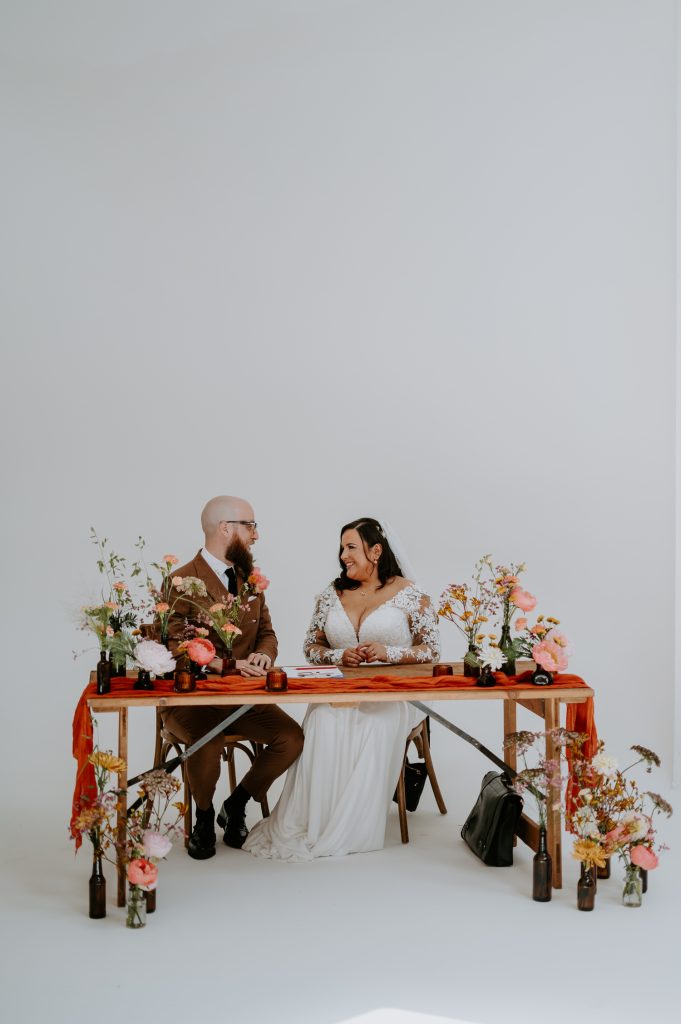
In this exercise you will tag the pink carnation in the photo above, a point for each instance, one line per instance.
(156, 845)
(643, 857)
(549, 656)
(120, 587)
(200, 650)
(162, 607)
(143, 873)
(231, 628)
(522, 599)
(521, 623)
(171, 559)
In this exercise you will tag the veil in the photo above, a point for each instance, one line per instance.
(398, 549)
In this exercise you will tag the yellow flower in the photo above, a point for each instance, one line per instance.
(540, 618)
(108, 761)
(590, 853)
(179, 806)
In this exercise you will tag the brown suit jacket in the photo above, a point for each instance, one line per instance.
(256, 625)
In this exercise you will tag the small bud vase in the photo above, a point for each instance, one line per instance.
(604, 872)
(97, 888)
(542, 871)
(185, 681)
(586, 889)
(471, 665)
(632, 894)
(103, 673)
(150, 899)
(486, 677)
(505, 646)
(136, 908)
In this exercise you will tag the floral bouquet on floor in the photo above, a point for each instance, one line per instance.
(543, 777)
(469, 607)
(149, 839)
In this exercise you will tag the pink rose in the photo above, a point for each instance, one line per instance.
(549, 656)
(201, 651)
(522, 599)
(644, 858)
(521, 623)
(156, 845)
(143, 873)
(170, 559)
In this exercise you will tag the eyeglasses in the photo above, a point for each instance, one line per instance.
(243, 522)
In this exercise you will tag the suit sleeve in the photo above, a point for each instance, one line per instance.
(266, 639)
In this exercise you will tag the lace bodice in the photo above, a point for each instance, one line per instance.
(406, 624)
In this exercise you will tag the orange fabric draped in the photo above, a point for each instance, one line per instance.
(579, 716)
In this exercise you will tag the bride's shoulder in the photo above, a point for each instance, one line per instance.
(327, 596)
(410, 594)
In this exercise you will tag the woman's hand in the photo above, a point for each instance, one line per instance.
(374, 652)
(352, 657)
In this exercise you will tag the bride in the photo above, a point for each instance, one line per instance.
(337, 794)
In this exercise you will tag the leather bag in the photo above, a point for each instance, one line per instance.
(415, 775)
(490, 827)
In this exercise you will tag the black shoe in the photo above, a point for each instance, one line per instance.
(234, 824)
(201, 844)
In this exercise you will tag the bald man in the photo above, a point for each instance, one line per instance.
(224, 564)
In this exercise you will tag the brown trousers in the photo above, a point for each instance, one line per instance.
(264, 723)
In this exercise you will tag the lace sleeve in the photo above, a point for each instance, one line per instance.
(316, 646)
(425, 631)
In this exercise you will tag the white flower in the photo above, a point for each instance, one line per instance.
(604, 765)
(154, 657)
(156, 845)
(586, 795)
(636, 824)
(491, 656)
(586, 823)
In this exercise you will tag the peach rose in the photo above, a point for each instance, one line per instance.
(143, 873)
(522, 599)
(549, 656)
(643, 857)
(200, 650)
(521, 623)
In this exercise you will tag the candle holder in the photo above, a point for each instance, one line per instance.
(443, 670)
(276, 680)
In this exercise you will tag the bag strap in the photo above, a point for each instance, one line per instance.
(506, 768)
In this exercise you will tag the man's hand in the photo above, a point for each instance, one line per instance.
(254, 665)
(352, 657)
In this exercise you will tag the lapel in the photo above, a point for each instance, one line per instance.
(216, 588)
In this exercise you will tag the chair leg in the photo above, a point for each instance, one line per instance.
(402, 804)
(431, 771)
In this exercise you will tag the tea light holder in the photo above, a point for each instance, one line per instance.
(276, 680)
(443, 670)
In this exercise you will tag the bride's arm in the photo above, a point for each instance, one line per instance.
(425, 633)
(316, 647)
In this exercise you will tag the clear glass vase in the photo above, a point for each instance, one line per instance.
(136, 908)
(632, 894)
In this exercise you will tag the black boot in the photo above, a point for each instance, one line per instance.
(232, 818)
(202, 840)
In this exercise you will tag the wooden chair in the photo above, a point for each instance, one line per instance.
(419, 736)
(166, 742)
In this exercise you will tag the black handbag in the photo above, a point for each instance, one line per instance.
(415, 775)
(492, 824)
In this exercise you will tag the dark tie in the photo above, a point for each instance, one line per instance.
(231, 580)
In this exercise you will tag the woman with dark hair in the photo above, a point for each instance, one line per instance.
(337, 794)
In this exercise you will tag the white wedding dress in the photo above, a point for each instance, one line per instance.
(336, 796)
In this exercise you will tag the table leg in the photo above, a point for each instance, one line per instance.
(122, 812)
(553, 828)
(510, 725)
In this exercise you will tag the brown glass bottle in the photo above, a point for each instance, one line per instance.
(97, 888)
(542, 871)
(586, 889)
(103, 673)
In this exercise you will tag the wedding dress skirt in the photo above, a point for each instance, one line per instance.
(337, 795)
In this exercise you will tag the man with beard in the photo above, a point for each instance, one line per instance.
(224, 565)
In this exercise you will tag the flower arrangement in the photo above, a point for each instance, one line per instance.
(94, 817)
(470, 607)
(542, 778)
(153, 657)
(612, 815)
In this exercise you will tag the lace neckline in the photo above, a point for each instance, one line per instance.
(363, 619)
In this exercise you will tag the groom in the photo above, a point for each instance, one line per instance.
(224, 564)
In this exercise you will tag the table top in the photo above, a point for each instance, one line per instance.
(334, 692)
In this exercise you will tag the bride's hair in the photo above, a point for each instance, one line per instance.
(371, 532)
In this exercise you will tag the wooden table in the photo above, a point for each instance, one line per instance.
(542, 701)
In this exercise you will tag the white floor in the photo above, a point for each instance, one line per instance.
(424, 928)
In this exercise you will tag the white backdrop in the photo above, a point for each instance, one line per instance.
(413, 260)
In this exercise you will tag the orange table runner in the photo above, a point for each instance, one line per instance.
(580, 717)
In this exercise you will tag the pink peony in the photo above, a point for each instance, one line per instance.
(644, 858)
(171, 559)
(143, 873)
(200, 650)
(549, 656)
(522, 599)
(156, 845)
(521, 623)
